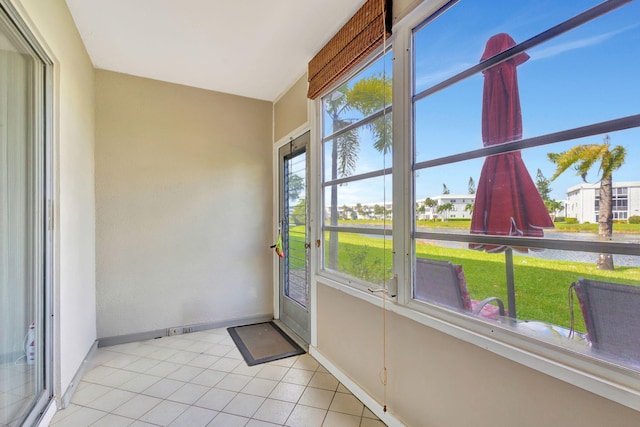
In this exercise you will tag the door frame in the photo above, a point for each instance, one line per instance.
(310, 201)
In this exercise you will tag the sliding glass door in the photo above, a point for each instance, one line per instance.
(24, 231)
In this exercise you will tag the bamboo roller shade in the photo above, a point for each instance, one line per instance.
(363, 33)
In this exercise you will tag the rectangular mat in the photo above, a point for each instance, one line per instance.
(263, 342)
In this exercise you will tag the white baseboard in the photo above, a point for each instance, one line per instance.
(159, 333)
(66, 397)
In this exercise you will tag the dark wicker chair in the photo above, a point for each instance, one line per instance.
(611, 313)
(443, 283)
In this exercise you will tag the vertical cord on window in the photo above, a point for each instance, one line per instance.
(384, 217)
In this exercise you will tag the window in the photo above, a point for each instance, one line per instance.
(498, 225)
(25, 371)
(357, 175)
(496, 99)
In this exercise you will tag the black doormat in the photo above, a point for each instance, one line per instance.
(263, 342)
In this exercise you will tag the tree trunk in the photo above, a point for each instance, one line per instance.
(605, 221)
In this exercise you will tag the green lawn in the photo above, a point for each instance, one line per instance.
(541, 285)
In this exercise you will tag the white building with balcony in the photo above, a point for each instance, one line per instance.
(583, 201)
(459, 210)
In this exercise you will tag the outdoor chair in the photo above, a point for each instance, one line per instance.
(611, 314)
(444, 283)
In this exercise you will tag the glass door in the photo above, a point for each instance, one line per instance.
(24, 230)
(294, 265)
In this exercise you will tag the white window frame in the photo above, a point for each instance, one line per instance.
(42, 128)
(610, 381)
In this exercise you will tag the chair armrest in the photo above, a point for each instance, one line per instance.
(487, 301)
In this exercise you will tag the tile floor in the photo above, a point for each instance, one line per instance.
(200, 379)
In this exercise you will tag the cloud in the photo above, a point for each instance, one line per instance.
(552, 51)
(426, 80)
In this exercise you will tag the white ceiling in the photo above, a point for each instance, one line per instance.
(253, 48)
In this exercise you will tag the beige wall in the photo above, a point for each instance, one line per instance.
(437, 380)
(74, 180)
(290, 111)
(183, 179)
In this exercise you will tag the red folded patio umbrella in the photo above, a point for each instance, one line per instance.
(507, 201)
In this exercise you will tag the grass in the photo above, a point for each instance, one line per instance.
(541, 286)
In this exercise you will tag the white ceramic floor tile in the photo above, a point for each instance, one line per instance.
(117, 378)
(182, 357)
(215, 399)
(81, 417)
(164, 413)
(102, 355)
(209, 378)
(286, 362)
(111, 420)
(325, 381)
(234, 354)
(200, 379)
(317, 397)
(140, 383)
(199, 347)
(194, 417)
(139, 423)
(274, 411)
(287, 392)
(306, 416)
(111, 400)
(162, 353)
(218, 350)
(225, 364)
(298, 376)
(163, 368)
(137, 407)
(306, 362)
(244, 405)
(347, 404)
(163, 388)
(228, 420)
(258, 423)
(185, 373)
(122, 361)
(64, 413)
(203, 360)
(272, 372)
(343, 389)
(233, 382)
(142, 365)
(260, 387)
(98, 373)
(244, 369)
(88, 393)
(368, 422)
(188, 394)
(337, 419)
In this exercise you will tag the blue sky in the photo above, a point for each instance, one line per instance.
(587, 75)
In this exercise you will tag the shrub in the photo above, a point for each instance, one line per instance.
(634, 219)
(559, 219)
(571, 220)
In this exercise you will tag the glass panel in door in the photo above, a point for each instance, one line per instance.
(22, 230)
(294, 266)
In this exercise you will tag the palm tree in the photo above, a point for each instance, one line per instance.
(366, 96)
(469, 208)
(430, 203)
(582, 158)
(444, 209)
